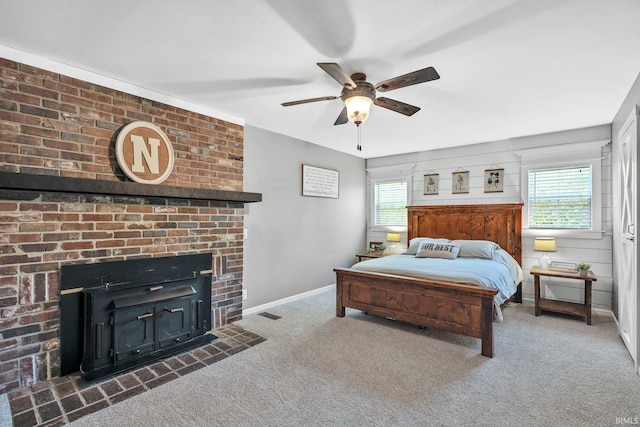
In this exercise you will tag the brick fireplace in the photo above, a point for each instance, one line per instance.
(71, 204)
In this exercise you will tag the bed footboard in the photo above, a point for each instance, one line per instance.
(453, 307)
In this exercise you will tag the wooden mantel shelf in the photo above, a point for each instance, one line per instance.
(61, 184)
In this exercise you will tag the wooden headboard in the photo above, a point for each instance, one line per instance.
(501, 223)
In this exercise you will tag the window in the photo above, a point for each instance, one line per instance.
(390, 202)
(562, 190)
(389, 194)
(560, 198)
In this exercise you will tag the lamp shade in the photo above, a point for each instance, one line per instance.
(358, 108)
(544, 244)
(393, 237)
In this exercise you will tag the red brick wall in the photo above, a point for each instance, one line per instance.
(52, 124)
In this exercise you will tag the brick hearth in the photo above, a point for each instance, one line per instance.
(65, 399)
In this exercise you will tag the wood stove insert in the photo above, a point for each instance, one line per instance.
(119, 315)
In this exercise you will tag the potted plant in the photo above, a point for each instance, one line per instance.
(583, 268)
(380, 248)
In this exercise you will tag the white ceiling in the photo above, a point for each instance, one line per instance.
(508, 68)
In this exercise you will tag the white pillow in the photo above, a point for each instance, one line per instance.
(414, 244)
(476, 248)
(429, 249)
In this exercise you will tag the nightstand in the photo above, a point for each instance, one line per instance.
(370, 255)
(563, 306)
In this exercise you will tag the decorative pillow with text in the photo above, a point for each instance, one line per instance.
(414, 244)
(429, 249)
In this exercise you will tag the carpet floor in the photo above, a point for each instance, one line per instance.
(315, 369)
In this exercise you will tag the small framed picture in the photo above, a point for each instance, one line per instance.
(460, 184)
(493, 180)
(431, 184)
(375, 246)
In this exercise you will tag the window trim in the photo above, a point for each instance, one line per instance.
(567, 155)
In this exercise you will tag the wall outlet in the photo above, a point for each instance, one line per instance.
(244, 294)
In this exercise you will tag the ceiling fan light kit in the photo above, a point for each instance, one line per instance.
(358, 100)
(358, 108)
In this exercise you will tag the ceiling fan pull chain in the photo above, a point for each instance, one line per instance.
(359, 147)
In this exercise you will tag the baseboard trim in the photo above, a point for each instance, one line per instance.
(263, 307)
(604, 312)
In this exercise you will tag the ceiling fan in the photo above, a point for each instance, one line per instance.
(358, 94)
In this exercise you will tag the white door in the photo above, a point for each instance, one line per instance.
(626, 241)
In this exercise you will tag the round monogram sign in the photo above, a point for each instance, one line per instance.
(144, 153)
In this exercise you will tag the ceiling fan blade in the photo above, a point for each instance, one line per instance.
(335, 71)
(305, 101)
(397, 106)
(342, 118)
(420, 76)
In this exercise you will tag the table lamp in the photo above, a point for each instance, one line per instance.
(544, 245)
(393, 238)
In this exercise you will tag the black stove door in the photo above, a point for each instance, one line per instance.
(133, 332)
(174, 321)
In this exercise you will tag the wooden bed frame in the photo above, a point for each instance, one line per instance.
(461, 308)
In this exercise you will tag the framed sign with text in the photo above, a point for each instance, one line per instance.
(320, 182)
(563, 265)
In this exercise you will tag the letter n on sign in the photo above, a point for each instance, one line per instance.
(144, 153)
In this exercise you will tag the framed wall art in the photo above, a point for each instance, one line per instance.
(431, 184)
(460, 183)
(320, 182)
(493, 180)
(375, 246)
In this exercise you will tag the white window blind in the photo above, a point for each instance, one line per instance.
(390, 202)
(560, 198)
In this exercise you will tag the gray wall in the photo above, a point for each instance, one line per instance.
(294, 242)
(633, 98)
